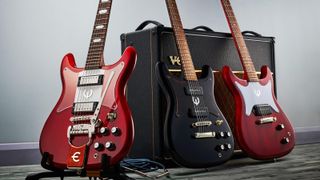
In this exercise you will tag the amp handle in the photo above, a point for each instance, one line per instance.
(146, 23)
(251, 33)
(205, 28)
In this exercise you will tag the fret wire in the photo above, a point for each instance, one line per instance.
(239, 40)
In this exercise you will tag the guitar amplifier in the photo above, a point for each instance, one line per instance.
(207, 47)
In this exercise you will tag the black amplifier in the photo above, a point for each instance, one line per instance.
(207, 47)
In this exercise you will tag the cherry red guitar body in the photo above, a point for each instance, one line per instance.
(261, 137)
(54, 140)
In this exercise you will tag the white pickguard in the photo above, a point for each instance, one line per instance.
(254, 93)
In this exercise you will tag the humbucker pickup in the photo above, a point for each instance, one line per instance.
(194, 91)
(84, 107)
(199, 112)
(266, 120)
(262, 110)
(90, 80)
(200, 135)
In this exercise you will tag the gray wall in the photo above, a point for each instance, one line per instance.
(35, 34)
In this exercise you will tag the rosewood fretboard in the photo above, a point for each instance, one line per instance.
(98, 38)
(181, 41)
(239, 42)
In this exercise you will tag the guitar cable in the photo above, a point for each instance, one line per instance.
(144, 167)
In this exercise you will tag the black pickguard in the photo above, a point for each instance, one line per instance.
(179, 133)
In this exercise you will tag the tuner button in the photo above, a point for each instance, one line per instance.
(280, 127)
(115, 131)
(220, 147)
(227, 146)
(104, 131)
(110, 146)
(97, 146)
(220, 135)
(285, 140)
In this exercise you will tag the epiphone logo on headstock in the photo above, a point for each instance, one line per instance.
(175, 60)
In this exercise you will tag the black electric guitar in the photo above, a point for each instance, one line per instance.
(195, 131)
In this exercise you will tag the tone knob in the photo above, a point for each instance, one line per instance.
(97, 146)
(227, 146)
(104, 131)
(280, 127)
(116, 131)
(110, 146)
(220, 135)
(220, 147)
(227, 134)
(285, 140)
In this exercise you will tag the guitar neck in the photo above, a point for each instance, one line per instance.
(181, 41)
(98, 38)
(239, 42)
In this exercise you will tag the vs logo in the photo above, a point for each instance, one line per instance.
(175, 60)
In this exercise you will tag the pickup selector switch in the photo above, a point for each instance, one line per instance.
(280, 127)
(110, 146)
(115, 131)
(97, 146)
(220, 147)
(285, 140)
(104, 131)
(111, 116)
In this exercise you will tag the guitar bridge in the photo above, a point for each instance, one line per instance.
(201, 135)
(266, 120)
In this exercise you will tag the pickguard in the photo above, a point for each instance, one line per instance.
(254, 94)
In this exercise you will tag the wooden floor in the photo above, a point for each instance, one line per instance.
(303, 163)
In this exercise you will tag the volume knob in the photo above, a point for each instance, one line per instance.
(104, 131)
(116, 131)
(97, 146)
(285, 140)
(220, 147)
(280, 127)
(110, 146)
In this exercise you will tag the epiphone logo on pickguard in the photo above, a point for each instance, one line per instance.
(196, 100)
(75, 156)
(257, 92)
(175, 60)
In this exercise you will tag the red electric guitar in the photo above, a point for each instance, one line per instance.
(91, 124)
(261, 127)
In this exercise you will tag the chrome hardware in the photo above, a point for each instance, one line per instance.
(115, 131)
(228, 134)
(220, 135)
(228, 146)
(104, 131)
(285, 140)
(201, 123)
(97, 146)
(266, 120)
(220, 147)
(200, 135)
(110, 146)
(280, 127)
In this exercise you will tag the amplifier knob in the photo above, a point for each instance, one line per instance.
(220, 147)
(115, 131)
(104, 131)
(285, 140)
(97, 146)
(110, 146)
(280, 127)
